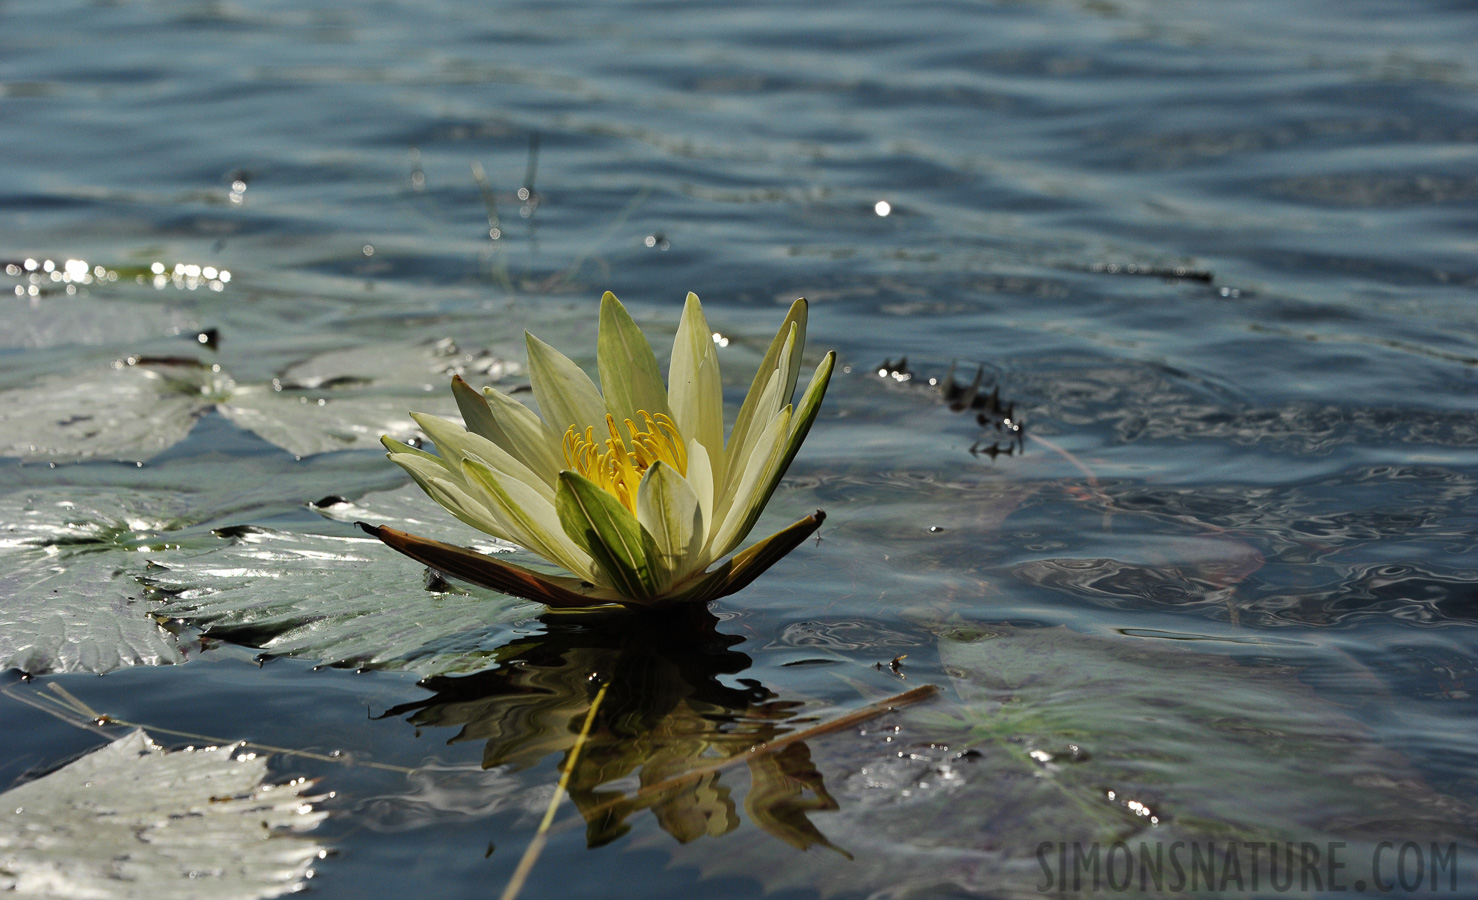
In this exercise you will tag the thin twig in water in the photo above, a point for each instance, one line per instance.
(1072, 460)
(527, 194)
(495, 226)
(1108, 505)
(48, 705)
(73, 701)
(66, 706)
(536, 846)
(620, 220)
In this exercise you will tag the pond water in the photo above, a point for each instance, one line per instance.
(1217, 261)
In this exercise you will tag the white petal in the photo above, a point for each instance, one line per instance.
(531, 442)
(438, 484)
(667, 508)
(763, 406)
(801, 418)
(530, 516)
(565, 393)
(628, 367)
(752, 487)
(700, 479)
(693, 385)
(786, 350)
(457, 444)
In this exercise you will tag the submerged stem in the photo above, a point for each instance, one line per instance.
(541, 837)
(70, 709)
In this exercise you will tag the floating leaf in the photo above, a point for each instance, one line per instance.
(136, 408)
(336, 599)
(70, 599)
(132, 820)
(65, 603)
(132, 412)
(346, 399)
(77, 616)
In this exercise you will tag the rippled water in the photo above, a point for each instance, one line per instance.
(1232, 557)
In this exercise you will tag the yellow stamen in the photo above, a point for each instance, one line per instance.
(618, 463)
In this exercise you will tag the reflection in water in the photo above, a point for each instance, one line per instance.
(666, 713)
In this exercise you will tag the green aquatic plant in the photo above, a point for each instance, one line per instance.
(632, 489)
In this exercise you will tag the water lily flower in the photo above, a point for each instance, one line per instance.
(634, 491)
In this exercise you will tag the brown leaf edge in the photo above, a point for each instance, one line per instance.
(484, 571)
(564, 592)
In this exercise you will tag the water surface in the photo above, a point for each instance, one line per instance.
(1232, 559)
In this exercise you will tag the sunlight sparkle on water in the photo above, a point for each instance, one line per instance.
(71, 273)
(187, 276)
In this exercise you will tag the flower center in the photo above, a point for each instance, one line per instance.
(618, 464)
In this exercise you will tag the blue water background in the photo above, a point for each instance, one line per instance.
(1278, 461)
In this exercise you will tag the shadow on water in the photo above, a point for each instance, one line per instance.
(668, 710)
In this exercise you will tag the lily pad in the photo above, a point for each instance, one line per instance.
(131, 820)
(78, 616)
(1062, 738)
(66, 604)
(346, 399)
(341, 600)
(339, 400)
(70, 597)
(128, 412)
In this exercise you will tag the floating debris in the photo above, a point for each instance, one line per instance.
(1169, 273)
(898, 371)
(989, 410)
(990, 413)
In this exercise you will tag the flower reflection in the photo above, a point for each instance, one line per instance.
(666, 714)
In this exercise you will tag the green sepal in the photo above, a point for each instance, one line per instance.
(598, 524)
(801, 421)
(668, 510)
(743, 568)
(797, 317)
